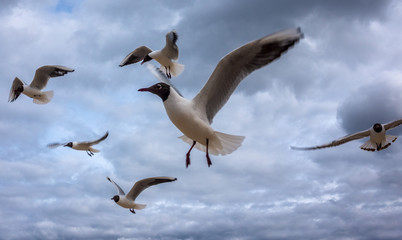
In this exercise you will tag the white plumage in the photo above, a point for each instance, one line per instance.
(128, 201)
(379, 140)
(33, 90)
(193, 117)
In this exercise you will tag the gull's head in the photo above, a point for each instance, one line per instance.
(70, 144)
(116, 198)
(146, 59)
(161, 89)
(377, 127)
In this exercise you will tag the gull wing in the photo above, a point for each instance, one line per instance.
(96, 141)
(393, 124)
(161, 76)
(146, 183)
(171, 50)
(135, 56)
(44, 73)
(121, 192)
(239, 63)
(16, 89)
(340, 141)
(55, 145)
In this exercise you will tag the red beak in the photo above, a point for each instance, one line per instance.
(143, 90)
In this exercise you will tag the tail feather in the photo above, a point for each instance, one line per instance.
(94, 150)
(139, 206)
(371, 146)
(225, 144)
(387, 142)
(44, 98)
(176, 69)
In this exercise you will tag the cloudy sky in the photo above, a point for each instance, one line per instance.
(344, 76)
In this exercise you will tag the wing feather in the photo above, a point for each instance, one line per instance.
(16, 89)
(44, 73)
(145, 183)
(393, 124)
(239, 63)
(340, 141)
(135, 56)
(120, 191)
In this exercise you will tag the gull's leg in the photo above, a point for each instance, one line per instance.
(188, 155)
(132, 210)
(208, 159)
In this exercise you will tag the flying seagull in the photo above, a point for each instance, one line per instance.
(164, 57)
(38, 83)
(193, 117)
(378, 139)
(82, 146)
(127, 201)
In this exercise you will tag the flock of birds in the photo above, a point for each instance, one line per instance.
(194, 117)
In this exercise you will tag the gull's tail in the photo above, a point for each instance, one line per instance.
(139, 206)
(44, 98)
(224, 144)
(371, 146)
(176, 69)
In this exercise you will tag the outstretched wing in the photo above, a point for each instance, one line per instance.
(98, 140)
(121, 192)
(55, 145)
(171, 50)
(16, 90)
(135, 56)
(239, 63)
(393, 124)
(43, 74)
(146, 183)
(340, 141)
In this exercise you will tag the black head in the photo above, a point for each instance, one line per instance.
(116, 198)
(70, 144)
(146, 59)
(161, 89)
(377, 127)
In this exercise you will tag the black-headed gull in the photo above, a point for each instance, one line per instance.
(378, 139)
(39, 82)
(193, 117)
(164, 57)
(128, 201)
(82, 146)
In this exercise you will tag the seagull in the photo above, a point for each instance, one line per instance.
(193, 117)
(82, 146)
(164, 57)
(378, 139)
(39, 82)
(127, 201)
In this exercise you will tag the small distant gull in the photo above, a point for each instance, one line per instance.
(82, 146)
(38, 83)
(193, 117)
(378, 139)
(128, 201)
(164, 57)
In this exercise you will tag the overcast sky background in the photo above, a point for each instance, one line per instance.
(344, 76)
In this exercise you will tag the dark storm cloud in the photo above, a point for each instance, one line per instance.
(377, 102)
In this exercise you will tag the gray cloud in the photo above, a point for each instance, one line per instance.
(341, 78)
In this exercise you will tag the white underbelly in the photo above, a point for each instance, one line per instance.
(32, 92)
(123, 202)
(193, 127)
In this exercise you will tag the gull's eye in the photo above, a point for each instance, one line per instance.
(159, 86)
